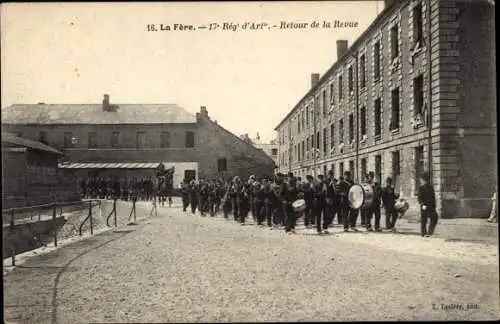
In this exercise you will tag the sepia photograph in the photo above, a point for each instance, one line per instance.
(260, 161)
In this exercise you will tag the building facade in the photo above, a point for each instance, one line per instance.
(271, 148)
(132, 139)
(416, 91)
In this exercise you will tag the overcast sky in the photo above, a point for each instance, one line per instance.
(248, 79)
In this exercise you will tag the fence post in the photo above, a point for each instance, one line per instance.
(135, 219)
(54, 214)
(114, 210)
(12, 233)
(90, 215)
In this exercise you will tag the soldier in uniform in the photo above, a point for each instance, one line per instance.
(349, 216)
(235, 188)
(307, 189)
(193, 196)
(115, 191)
(266, 196)
(226, 200)
(148, 188)
(243, 198)
(364, 211)
(257, 202)
(374, 208)
(124, 186)
(389, 198)
(279, 188)
(203, 197)
(184, 194)
(330, 201)
(290, 193)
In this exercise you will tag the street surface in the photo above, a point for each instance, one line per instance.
(176, 267)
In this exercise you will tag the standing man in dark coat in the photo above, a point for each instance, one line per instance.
(427, 201)
(330, 201)
(389, 197)
(374, 208)
(307, 189)
(289, 195)
(349, 216)
(193, 196)
(184, 194)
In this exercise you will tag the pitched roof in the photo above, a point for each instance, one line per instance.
(94, 114)
(19, 141)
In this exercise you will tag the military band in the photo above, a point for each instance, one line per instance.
(269, 200)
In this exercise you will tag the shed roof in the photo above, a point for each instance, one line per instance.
(94, 114)
(19, 141)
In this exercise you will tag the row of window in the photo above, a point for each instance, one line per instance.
(395, 167)
(303, 118)
(313, 141)
(116, 142)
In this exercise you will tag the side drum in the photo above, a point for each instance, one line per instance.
(361, 196)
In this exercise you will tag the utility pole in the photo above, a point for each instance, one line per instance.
(357, 117)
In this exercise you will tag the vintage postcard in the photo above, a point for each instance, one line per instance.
(195, 162)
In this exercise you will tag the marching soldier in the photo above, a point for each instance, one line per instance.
(233, 194)
(226, 201)
(330, 201)
(290, 193)
(243, 198)
(193, 196)
(307, 189)
(267, 199)
(258, 202)
(349, 215)
(280, 187)
(389, 197)
(364, 210)
(184, 194)
(374, 208)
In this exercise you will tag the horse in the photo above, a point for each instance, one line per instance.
(165, 187)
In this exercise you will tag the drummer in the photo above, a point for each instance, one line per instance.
(290, 194)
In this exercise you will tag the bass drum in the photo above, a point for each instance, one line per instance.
(360, 196)
(299, 205)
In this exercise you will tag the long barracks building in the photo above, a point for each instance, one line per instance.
(416, 91)
(132, 139)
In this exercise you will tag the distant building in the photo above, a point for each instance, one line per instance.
(131, 139)
(405, 98)
(30, 175)
(271, 148)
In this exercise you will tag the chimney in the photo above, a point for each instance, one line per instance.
(105, 103)
(314, 79)
(204, 111)
(341, 48)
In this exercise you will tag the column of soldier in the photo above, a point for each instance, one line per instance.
(114, 187)
(269, 201)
